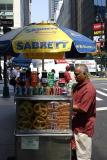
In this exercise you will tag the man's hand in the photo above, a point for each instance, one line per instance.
(75, 107)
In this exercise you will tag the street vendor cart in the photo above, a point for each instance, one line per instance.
(43, 121)
(47, 138)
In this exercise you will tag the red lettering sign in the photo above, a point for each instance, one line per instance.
(98, 26)
(58, 61)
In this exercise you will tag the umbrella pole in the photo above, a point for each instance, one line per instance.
(42, 64)
(5, 87)
(0, 70)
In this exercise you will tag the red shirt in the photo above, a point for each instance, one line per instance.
(84, 96)
(67, 76)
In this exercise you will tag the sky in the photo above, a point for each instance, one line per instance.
(100, 2)
(39, 10)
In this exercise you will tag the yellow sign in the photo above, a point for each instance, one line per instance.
(98, 32)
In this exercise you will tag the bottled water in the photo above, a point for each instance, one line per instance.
(69, 88)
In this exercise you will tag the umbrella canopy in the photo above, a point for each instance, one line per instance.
(22, 61)
(6, 43)
(47, 40)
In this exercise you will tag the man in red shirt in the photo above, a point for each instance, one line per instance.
(84, 116)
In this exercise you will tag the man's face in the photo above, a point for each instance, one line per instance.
(79, 76)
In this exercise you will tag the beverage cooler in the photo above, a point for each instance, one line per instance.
(43, 127)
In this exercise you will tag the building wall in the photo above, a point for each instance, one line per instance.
(27, 12)
(68, 14)
(18, 10)
(6, 9)
(85, 17)
(65, 14)
(52, 8)
(78, 15)
(21, 12)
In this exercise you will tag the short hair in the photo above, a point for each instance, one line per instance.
(53, 70)
(68, 68)
(83, 69)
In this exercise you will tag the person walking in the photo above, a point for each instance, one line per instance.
(84, 114)
(14, 78)
(67, 74)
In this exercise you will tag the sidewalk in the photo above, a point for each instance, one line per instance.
(98, 78)
(7, 125)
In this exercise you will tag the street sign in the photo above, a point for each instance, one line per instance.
(6, 22)
(98, 26)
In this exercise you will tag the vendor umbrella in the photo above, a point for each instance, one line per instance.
(22, 61)
(6, 43)
(47, 41)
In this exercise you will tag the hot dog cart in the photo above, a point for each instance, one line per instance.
(44, 133)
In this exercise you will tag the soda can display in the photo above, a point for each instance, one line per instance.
(58, 91)
(18, 91)
(34, 79)
(35, 91)
(30, 91)
(23, 90)
(51, 82)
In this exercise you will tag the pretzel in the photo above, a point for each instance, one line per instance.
(63, 113)
(39, 123)
(62, 121)
(24, 124)
(36, 108)
(40, 109)
(63, 126)
(25, 108)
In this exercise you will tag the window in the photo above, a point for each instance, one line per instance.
(2, 7)
(100, 2)
(6, 7)
(9, 7)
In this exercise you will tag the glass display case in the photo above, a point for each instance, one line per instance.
(43, 127)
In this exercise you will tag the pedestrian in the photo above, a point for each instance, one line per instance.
(14, 78)
(67, 74)
(54, 72)
(84, 114)
(28, 76)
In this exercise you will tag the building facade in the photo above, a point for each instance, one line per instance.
(99, 22)
(78, 15)
(22, 12)
(67, 15)
(15, 13)
(52, 8)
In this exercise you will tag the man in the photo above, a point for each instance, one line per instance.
(84, 116)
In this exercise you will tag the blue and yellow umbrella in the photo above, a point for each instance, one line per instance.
(22, 61)
(48, 41)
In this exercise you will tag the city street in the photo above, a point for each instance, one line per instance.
(100, 137)
(7, 123)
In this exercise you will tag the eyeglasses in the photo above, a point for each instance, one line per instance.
(77, 74)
